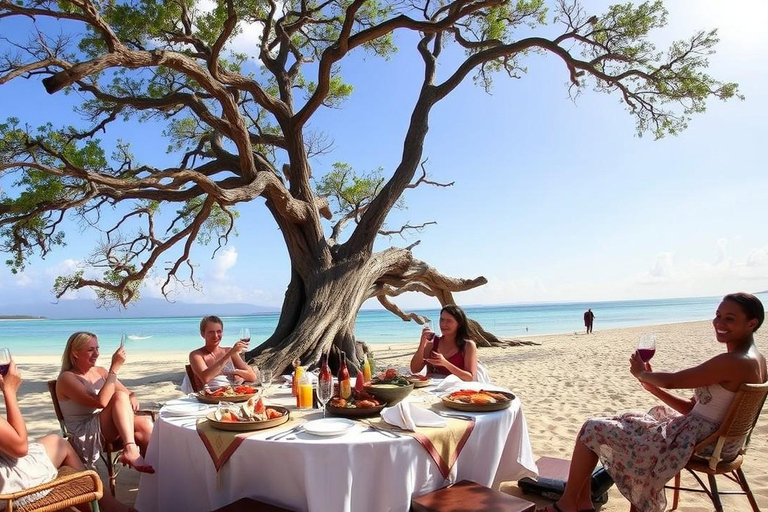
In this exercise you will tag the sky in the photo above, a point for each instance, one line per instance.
(554, 200)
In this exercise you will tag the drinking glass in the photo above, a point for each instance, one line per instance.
(265, 377)
(5, 361)
(428, 327)
(255, 369)
(324, 390)
(245, 335)
(646, 347)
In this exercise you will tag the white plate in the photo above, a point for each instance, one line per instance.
(183, 409)
(328, 426)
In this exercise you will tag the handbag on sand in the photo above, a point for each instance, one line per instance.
(553, 474)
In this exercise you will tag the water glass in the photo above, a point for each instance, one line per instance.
(5, 361)
(428, 327)
(265, 377)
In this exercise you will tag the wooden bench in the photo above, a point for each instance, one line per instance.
(466, 496)
(251, 505)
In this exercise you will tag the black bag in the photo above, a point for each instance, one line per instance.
(550, 483)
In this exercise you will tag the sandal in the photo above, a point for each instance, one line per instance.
(141, 468)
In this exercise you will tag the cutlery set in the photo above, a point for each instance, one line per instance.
(295, 430)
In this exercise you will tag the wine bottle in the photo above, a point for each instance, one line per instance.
(345, 386)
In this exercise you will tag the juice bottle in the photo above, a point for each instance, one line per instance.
(345, 386)
(298, 371)
(305, 392)
(366, 369)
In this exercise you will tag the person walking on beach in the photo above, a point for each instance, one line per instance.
(589, 318)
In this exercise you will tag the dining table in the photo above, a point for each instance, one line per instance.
(359, 468)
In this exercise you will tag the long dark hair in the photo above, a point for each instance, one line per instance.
(462, 332)
(750, 305)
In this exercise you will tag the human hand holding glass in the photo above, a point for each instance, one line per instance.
(646, 346)
(5, 361)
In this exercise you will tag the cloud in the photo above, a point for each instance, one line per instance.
(224, 260)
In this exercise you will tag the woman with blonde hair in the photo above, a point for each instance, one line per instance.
(25, 464)
(97, 406)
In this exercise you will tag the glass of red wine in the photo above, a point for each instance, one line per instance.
(245, 335)
(5, 361)
(646, 347)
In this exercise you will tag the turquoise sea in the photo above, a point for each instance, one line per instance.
(176, 334)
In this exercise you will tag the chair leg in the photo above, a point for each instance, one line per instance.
(715, 495)
(676, 493)
(111, 459)
(95, 506)
(745, 487)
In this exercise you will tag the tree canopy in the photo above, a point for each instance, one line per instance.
(238, 131)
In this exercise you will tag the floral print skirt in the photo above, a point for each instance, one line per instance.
(642, 451)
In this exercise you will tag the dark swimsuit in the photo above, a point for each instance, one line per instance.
(456, 359)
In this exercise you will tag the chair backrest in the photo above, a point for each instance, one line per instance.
(739, 421)
(57, 407)
(192, 378)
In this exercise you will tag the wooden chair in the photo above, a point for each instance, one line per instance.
(69, 488)
(739, 422)
(110, 450)
(192, 378)
(467, 496)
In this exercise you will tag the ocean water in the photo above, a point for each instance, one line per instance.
(176, 334)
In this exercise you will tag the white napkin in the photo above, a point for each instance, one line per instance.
(408, 416)
(449, 383)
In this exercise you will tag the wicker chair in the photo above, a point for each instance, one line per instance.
(71, 487)
(739, 421)
(192, 378)
(110, 450)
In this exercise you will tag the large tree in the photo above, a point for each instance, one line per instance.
(238, 131)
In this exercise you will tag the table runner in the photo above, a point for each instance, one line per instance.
(443, 444)
(220, 444)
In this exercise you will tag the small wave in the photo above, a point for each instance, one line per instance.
(137, 338)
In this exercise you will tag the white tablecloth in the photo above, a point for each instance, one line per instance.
(360, 470)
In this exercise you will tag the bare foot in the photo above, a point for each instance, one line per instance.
(131, 457)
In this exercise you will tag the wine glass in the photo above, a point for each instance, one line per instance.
(265, 377)
(324, 389)
(5, 361)
(646, 347)
(245, 336)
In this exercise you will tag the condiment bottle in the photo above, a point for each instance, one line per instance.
(345, 386)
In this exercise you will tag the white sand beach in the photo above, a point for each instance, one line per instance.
(562, 381)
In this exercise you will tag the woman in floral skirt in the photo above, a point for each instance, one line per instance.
(643, 451)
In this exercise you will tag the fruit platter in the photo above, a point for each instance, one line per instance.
(252, 415)
(478, 401)
(226, 394)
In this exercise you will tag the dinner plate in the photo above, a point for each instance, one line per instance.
(208, 399)
(461, 406)
(355, 412)
(183, 409)
(328, 426)
(246, 426)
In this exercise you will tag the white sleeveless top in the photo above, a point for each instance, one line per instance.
(712, 402)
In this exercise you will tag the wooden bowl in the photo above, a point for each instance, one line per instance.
(389, 393)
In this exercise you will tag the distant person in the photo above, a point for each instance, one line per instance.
(453, 353)
(218, 366)
(25, 464)
(589, 318)
(97, 406)
(642, 451)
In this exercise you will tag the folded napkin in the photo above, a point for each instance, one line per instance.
(407, 416)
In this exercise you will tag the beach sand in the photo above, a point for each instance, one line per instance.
(561, 382)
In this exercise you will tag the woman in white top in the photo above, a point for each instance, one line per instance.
(25, 464)
(96, 405)
(642, 451)
(217, 366)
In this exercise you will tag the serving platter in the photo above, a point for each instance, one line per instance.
(470, 407)
(247, 426)
(355, 412)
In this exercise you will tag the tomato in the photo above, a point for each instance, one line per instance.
(229, 417)
(259, 408)
(272, 413)
(391, 373)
